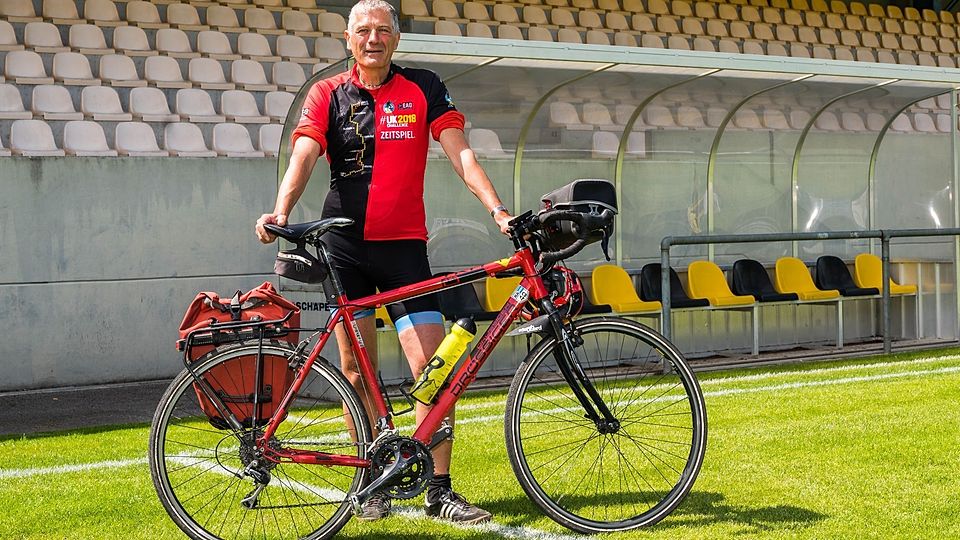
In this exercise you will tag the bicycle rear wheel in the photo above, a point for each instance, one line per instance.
(591, 481)
(198, 467)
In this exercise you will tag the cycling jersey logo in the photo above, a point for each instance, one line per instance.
(388, 107)
(448, 98)
(304, 112)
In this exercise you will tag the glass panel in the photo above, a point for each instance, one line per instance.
(914, 174)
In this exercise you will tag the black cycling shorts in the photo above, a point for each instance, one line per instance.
(365, 266)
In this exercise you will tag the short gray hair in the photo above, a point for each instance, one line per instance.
(366, 6)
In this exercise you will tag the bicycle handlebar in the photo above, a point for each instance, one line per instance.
(585, 225)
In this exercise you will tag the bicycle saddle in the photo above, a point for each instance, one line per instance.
(301, 232)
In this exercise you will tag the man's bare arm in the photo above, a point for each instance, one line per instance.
(302, 160)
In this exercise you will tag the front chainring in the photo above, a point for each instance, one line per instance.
(413, 480)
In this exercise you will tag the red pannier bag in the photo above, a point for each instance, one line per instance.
(234, 383)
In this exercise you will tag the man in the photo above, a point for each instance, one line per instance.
(373, 122)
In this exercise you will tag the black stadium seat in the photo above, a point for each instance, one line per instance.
(651, 291)
(832, 273)
(750, 277)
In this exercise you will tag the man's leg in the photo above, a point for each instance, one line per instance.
(420, 334)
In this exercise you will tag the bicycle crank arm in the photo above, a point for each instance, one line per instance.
(395, 469)
(445, 432)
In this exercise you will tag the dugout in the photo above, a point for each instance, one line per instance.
(705, 143)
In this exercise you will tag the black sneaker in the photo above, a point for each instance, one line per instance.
(453, 507)
(376, 507)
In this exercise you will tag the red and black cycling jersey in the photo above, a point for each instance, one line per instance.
(376, 143)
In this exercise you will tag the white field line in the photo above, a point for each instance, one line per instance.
(773, 375)
(83, 467)
(521, 533)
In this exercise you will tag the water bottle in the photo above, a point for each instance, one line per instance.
(439, 367)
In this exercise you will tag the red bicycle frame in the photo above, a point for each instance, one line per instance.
(531, 287)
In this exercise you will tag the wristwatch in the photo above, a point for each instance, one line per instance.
(497, 209)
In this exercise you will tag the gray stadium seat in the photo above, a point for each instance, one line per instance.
(294, 49)
(61, 12)
(164, 72)
(132, 41)
(233, 140)
(150, 105)
(8, 37)
(53, 102)
(119, 70)
(277, 104)
(241, 107)
(102, 13)
(88, 39)
(86, 138)
(72, 68)
(33, 138)
(43, 37)
(288, 76)
(183, 139)
(137, 139)
(175, 43)
(268, 139)
(208, 74)
(11, 104)
(195, 105)
(102, 104)
(216, 45)
(144, 14)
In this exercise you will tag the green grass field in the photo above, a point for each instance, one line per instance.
(852, 449)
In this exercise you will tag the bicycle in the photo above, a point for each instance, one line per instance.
(605, 423)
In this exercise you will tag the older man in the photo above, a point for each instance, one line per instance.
(373, 123)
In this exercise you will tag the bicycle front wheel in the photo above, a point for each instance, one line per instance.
(200, 468)
(595, 479)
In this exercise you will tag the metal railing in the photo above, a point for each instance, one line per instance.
(884, 235)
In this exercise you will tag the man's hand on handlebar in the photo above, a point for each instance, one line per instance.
(275, 219)
(503, 221)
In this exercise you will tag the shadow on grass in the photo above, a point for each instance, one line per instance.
(707, 508)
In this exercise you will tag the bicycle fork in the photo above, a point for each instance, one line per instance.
(595, 408)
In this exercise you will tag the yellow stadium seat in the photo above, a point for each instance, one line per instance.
(610, 284)
(792, 276)
(868, 272)
(498, 290)
(706, 280)
(382, 315)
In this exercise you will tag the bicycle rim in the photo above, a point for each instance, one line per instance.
(590, 481)
(197, 468)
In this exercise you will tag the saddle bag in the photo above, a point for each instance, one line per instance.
(586, 195)
(210, 323)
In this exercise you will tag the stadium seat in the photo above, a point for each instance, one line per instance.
(751, 278)
(505, 13)
(277, 104)
(509, 31)
(606, 145)
(261, 21)
(144, 14)
(195, 105)
(185, 17)
(18, 11)
(329, 49)
(299, 23)
(174, 43)
(563, 114)
(53, 102)
(307, 6)
(792, 276)
(86, 138)
(61, 12)
(447, 28)
(11, 104)
(224, 19)
(88, 39)
(43, 37)
(650, 288)
(164, 72)
(479, 30)
(4, 151)
(233, 140)
(288, 76)
(216, 45)
(537, 33)
(150, 105)
(33, 138)
(832, 273)
(102, 13)
(102, 104)
(119, 70)
(268, 139)
(249, 75)
(498, 291)
(610, 285)
(8, 37)
(475, 11)
(332, 24)
(183, 139)
(208, 74)
(569, 35)
(73, 69)
(132, 41)
(240, 106)
(294, 49)
(622, 39)
(256, 47)
(868, 274)
(486, 143)
(707, 281)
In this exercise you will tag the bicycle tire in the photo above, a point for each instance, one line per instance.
(638, 474)
(196, 466)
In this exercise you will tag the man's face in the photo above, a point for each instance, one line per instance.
(372, 39)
